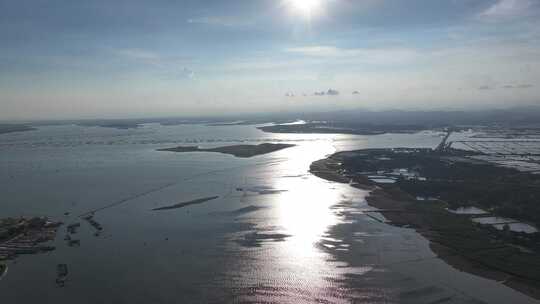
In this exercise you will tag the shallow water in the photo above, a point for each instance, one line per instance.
(309, 241)
(468, 210)
(501, 222)
(518, 227)
(492, 220)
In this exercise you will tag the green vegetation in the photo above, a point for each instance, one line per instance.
(457, 180)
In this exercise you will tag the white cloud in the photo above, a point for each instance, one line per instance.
(289, 94)
(332, 92)
(149, 62)
(220, 21)
(505, 9)
(518, 86)
(321, 51)
(137, 54)
(363, 55)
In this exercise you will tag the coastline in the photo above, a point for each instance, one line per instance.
(403, 210)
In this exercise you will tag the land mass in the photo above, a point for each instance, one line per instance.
(244, 151)
(121, 125)
(416, 187)
(25, 235)
(342, 128)
(188, 203)
(10, 128)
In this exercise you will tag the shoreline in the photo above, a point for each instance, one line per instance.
(406, 212)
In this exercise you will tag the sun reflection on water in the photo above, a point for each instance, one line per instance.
(304, 212)
(295, 269)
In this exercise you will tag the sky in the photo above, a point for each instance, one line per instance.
(137, 58)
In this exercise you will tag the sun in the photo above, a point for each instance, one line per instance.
(305, 7)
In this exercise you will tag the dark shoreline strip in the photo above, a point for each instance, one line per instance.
(188, 203)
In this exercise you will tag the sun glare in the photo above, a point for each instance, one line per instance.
(305, 7)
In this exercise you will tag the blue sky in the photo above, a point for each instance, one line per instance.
(63, 59)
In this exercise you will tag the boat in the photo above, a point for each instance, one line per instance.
(3, 270)
(61, 274)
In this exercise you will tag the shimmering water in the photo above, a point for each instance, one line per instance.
(501, 222)
(310, 241)
(468, 210)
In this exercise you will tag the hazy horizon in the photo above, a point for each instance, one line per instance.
(129, 59)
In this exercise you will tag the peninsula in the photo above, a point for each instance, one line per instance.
(420, 188)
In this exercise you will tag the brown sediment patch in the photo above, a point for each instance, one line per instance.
(453, 238)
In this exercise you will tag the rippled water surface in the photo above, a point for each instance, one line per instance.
(286, 236)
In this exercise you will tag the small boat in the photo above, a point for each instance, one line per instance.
(61, 274)
(3, 270)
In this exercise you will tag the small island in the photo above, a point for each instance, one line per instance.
(243, 151)
(188, 203)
